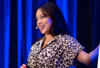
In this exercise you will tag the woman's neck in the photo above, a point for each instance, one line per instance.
(48, 37)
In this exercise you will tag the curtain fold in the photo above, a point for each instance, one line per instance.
(18, 22)
(69, 9)
(6, 31)
(2, 47)
(20, 36)
(95, 15)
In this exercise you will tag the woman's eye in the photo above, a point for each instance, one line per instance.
(42, 16)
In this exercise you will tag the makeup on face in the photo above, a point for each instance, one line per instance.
(43, 22)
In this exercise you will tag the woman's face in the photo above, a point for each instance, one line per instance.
(44, 23)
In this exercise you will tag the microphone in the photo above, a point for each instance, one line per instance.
(36, 27)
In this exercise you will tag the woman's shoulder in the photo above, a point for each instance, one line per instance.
(66, 36)
(73, 42)
(69, 38)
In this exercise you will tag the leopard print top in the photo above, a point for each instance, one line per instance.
(60, 52)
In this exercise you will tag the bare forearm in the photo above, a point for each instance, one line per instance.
(94, 55)
(86, 58)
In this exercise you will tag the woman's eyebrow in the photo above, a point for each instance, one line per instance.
(40, 16)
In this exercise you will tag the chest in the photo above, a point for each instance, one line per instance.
(44, 43)
(51, 54)
(48, 51)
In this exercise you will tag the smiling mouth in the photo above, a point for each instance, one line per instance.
(42, 27)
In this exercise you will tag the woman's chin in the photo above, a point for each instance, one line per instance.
(43, 32)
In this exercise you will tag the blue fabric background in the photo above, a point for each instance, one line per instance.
(18, 22)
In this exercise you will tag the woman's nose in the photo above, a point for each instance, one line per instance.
(39, 22)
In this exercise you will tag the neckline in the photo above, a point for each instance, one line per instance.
(42, 41)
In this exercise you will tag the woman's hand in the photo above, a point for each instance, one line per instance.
(23, 66)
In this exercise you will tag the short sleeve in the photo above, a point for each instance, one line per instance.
(73, 47)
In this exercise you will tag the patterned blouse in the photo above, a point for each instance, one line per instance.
(60, 52)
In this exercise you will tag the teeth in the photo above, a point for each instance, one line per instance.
(41, 26)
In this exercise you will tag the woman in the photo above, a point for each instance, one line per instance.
(57, 49)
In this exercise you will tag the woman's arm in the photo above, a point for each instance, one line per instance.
(86, 58)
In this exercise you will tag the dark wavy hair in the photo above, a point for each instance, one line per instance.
(59, 25)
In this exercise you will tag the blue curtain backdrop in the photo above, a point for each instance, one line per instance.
(18, 22)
